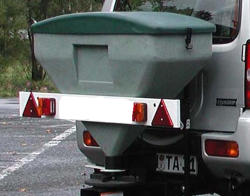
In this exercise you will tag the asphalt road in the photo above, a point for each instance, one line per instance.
(38, 157)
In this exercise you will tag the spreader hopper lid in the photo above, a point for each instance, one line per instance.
(122, 23)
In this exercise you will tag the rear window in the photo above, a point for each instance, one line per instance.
(223, 13)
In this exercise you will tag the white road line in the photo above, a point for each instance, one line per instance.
(13, 153)
(32, 156)
(23, 136)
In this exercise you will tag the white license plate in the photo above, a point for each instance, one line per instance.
(173, 163)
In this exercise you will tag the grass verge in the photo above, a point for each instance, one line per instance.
(18, 78)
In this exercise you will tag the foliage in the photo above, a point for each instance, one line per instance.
(13, 42)
(204, 15)
(17, 78)
(18, 65)
(159, 6)
(43, 9)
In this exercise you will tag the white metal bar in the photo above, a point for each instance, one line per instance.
(105, 109)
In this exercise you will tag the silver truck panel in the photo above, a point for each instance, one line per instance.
(223, 78)
(223, 167)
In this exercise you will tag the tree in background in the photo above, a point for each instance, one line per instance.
(13, 37)
(42, 9)
(16, 17)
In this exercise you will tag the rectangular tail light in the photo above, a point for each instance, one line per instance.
(139, 112)
(221, 148)
(47, 106)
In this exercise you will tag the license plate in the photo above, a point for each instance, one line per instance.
(173, 163)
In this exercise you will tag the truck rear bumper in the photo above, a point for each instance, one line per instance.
(225, 167)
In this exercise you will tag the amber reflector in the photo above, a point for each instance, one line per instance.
(88, 139)
(139, 112)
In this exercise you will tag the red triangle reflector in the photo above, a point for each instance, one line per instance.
(31, 107)
(162, 117)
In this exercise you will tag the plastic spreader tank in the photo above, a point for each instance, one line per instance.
(129, 54)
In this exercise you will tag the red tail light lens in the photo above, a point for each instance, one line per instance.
(221, 148)
(247, 75)
(89, 140)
